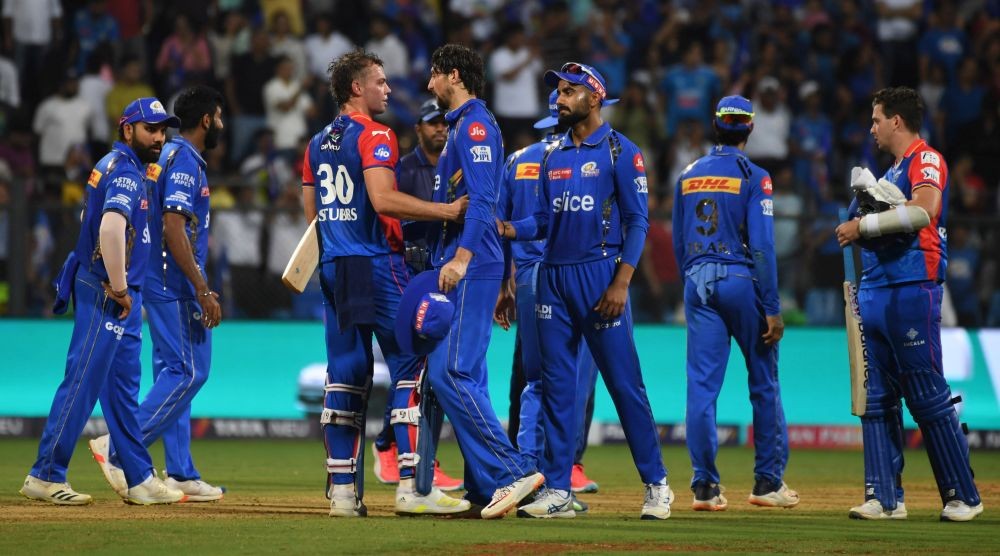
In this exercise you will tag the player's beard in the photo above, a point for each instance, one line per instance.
(212, 136)
(147, 153)
(572, 118)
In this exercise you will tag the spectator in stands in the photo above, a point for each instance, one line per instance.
(811, 142)
(128, 86)
(285, 225)
(288, 105)
(60, 122)
(245, 92)
(324, 46)
(789, 210)
(231, 41)
(134, 19)
(607, 46)
(184, 57)
(238, 238)
(898, 25)
(30, 29)
(264, 170)
(964, 263)
(660, 283)
(961, 105)
(94, 88)
(689, 90)
(10, 85)
(387, 46)
(558, 37)
(285, 43)
(772, 124)
(515, 67)
(92, 27)
(944, 43)
(689, 145)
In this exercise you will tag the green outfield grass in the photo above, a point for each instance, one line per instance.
(275, 504)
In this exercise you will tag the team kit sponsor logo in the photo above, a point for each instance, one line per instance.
(116, 329)
(377, 132)
(94, 179)
(560, 174)
(928, 157)
(640, 185)
(477, 132)
(766, 185)
(767, 207)
(590, 170)
(481, 153)
(153, 171)
(382, 153)
(711, 184)
(125, 183)
(543, 312)
(121, 199)
(572, 203)
(204, 191)
(931, 174)
(639, 163)
(527, 171)
(178, 197)
(182, 178)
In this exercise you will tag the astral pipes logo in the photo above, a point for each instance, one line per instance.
(117, 329)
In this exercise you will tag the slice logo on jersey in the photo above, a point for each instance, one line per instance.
(711, 184)
(528, 171)
(767, 207)
(560, 174)
(928, 157)
(766, 185)
(153, 171)
(572, 203)
(94, 179)
(639, 163)
(382, 152)
(590, 170)
(116, 329)
(481, 153)
(543, 312)
(477, 132)
(640, 185)
(931, 174)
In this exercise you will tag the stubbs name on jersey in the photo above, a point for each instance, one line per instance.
(337, 214)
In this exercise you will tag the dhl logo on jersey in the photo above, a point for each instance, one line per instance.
(711, 184)
(94, 179)
(153, 171)
(528, 171)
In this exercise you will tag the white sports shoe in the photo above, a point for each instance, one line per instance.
(411, 502)
(709, 498)
(549, 503)
(55, 493)
(657, 502)
(957, 510)
(344, 502)
(100, 447)
(872, 509)
(784, 497)
(507, 497)
(153, 491)
(195, 490)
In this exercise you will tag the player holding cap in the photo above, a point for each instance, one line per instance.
(349, 185)
(104, 274)
(724, 244)
(592, 211)
(904, 256)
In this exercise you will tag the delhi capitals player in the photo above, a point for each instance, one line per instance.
(349, 185)
(470, 261)
(724, 244)
(181, 308)
(592, 211)
(904, 255)
(105, 272)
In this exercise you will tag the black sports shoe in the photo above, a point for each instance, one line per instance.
(708, 497)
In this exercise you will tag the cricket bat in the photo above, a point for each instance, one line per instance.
(857, 352)
(303, 263)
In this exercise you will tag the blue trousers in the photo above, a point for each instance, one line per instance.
(350, 360)
(102, 363)
(531, 433)
(732, 310)
(567, 295)
(457, 370)
(182, 355)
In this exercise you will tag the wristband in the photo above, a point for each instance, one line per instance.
(206, 293)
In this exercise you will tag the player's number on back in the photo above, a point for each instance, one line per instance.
(335, 185)
(707, 211)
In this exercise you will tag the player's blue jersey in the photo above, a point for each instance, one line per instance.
(519, 197)
(335, 161)
(924, 255)
(117, 183)
(723, 213)
(470, 164)
(178, 184)
(591, 198)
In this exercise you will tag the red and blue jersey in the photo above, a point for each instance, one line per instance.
(470, 164)
(925, 256)
(723, 213)
(117, 183)
(179, 185)
(335, 161)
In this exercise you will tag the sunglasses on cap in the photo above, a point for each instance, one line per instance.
(592, 80)
(731, 118)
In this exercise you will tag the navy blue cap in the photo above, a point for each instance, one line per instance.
(149, 110)
(581, 74)
(553, 118)
(424, 316)
(734, 113)
(430, 110)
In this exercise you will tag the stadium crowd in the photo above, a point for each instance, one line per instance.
(68, 68)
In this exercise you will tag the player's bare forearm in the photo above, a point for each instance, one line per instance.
(389, 201)
(623, 275)
(309, 202)
(613, 300)
(112, 242)
(174, 233)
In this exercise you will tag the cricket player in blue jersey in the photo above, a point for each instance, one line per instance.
(724, 244)
(104, 275)
(181, 308)
(471, 266)
(349, 186)
(519, 199)
(592, 212)
(903, 235)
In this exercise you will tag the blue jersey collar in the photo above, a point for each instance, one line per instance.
(126, 150)
(185, 143)
(421, 156)
(727, 150)
(453, 116)
(593, 140)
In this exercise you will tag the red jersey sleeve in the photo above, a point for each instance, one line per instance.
(307, 173)
(378, 148)
(928, 168)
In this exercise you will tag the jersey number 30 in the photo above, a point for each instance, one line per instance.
(335, 186)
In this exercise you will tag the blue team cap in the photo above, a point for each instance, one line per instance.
(149, 110)
(430, 110)
(581, 74)
(734, 113)
(424, 316)
(553, 118)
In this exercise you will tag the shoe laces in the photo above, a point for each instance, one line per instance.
(656, 494)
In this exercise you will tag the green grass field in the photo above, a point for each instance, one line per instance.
(275, 504)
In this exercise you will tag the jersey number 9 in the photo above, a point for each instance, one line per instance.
(339, 186)
(707, 211)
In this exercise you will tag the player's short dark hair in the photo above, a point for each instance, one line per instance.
(903, 102)
(468, 62)
(347, 69)
(196, 102)
(730, 137)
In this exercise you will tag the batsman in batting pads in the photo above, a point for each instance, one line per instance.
(900, 302)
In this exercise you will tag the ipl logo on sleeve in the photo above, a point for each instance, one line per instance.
(481, 153)
(382, 152)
